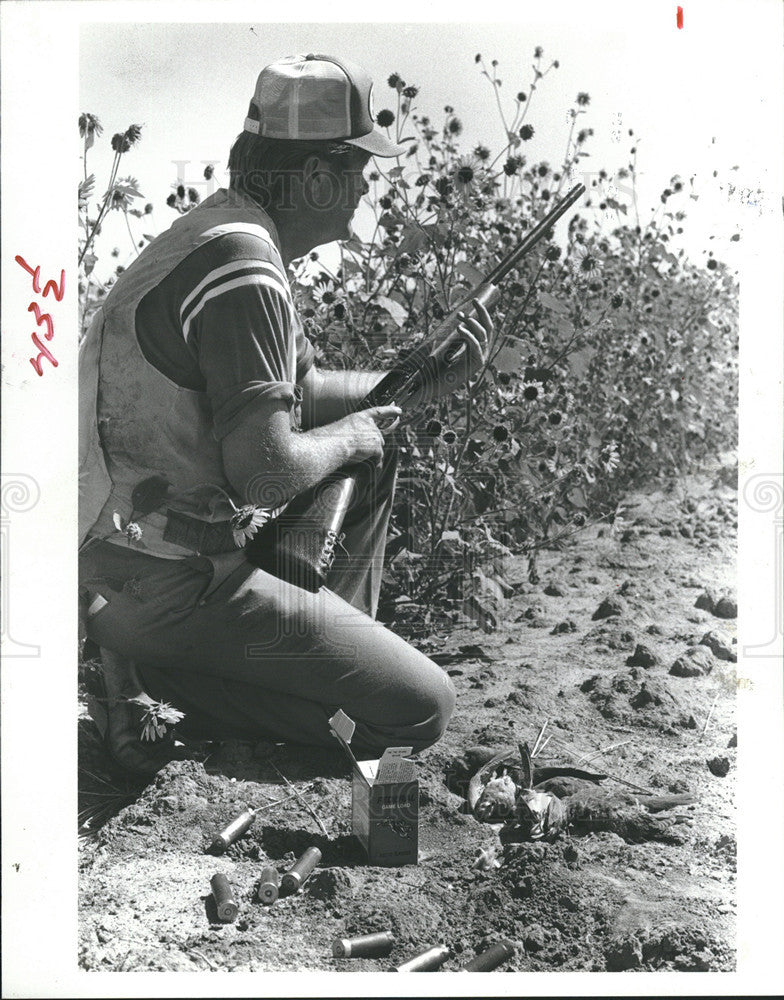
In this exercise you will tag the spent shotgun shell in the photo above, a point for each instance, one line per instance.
(268, 886)
(488, 960)
(365, 946)
(300, 872)
(428, 961)
(233, 831)
(225, 903)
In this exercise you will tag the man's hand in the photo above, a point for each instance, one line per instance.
(458, 358)
(365, 430)
(268, 463)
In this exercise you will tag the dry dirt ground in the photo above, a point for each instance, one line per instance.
(590, 901)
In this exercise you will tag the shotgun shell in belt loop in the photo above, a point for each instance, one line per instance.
(365, 946)
(267, 892)
(225, 903)
(298, 875)
(233, 831)
(490, 959)
(428, 961)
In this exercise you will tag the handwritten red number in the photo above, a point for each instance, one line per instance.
(35, 273)
(42, 318)
(51, 286)
(43, 352)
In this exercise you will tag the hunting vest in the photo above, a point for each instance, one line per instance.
(150, 468)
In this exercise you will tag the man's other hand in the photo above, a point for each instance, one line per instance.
(458, 358)
(365, 429)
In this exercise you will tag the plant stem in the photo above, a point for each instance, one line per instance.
(133, 241)
(102, 211)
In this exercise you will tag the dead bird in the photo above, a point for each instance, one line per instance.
(502, 791)
(539, 815)
(540, 803)
(635, 817)
(494, 790)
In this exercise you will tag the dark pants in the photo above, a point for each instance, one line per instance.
(245, 655)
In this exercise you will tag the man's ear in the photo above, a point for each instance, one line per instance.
(312, 166)
(321, 183)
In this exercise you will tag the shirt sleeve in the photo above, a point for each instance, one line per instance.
(306, 354)
(241, 324)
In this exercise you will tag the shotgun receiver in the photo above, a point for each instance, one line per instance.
(299, 545)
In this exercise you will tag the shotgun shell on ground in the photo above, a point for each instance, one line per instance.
(364, 946)
(233, 831)
(268, 886)
(490, 959)
(225, 903)
(428, 961)
(299, 873)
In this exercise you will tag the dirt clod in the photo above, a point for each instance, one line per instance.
(696, 661)
(726, 607)
(623, 953)
(534, 937)
(720, 766)
(706, 601)
(615, 696)
(643, 656)
(609, 607)
(720, 645)
(329, 883)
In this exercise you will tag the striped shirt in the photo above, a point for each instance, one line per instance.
(223, 322)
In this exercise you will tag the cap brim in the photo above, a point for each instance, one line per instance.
(376, 142)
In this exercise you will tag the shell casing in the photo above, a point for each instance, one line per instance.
(428, 961)
(365, 946)
(267, 891)
(225, 902)
(233, 831)
(488, 960)
(300, 871)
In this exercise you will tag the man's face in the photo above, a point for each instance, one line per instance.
(334, 194)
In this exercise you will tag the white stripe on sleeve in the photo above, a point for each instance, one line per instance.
(264, 280)
(231, 268)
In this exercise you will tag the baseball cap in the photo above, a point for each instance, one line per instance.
(316, 97)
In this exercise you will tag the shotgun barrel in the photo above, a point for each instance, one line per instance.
(400, 378)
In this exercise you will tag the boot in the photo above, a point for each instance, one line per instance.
(119, 720)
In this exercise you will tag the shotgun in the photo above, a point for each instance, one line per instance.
(299, 545)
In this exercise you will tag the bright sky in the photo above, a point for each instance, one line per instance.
(696, 98)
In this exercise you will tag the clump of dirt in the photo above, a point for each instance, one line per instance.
(629, 695)
(628, 889)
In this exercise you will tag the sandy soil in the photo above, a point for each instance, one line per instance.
(590, 901)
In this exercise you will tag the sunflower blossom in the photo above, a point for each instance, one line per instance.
(246, 522)
(89, 125)
(585, 261)
(134, 531)
(133, 134)
(466, 174)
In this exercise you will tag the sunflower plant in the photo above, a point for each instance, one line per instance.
(613, 360)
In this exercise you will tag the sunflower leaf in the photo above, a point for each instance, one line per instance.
(552, 303)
